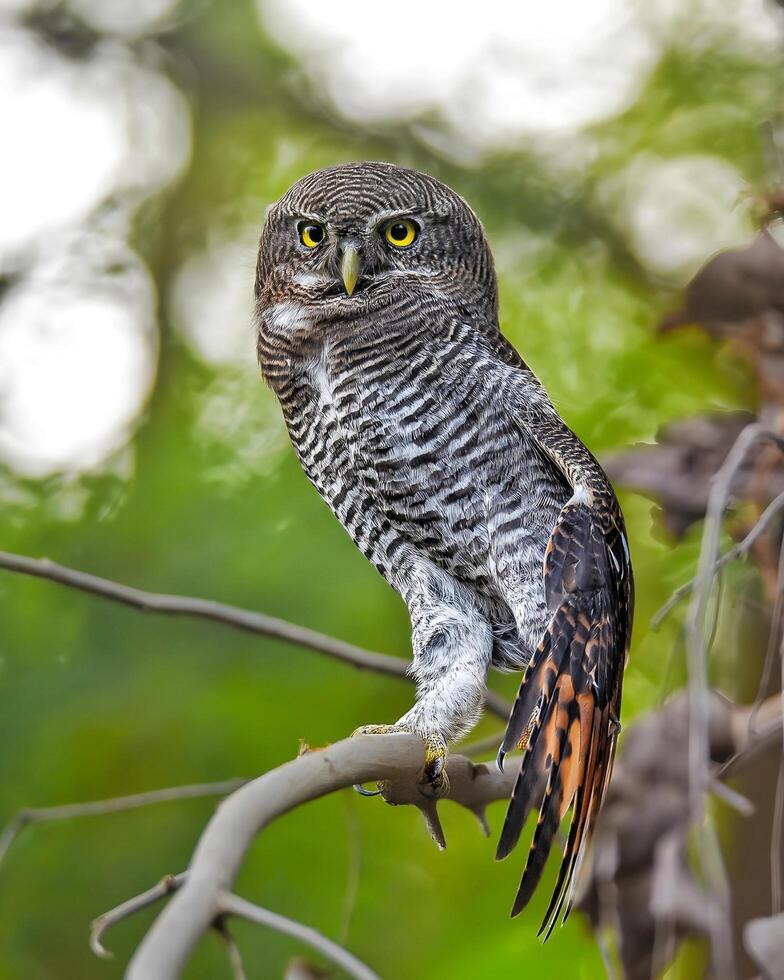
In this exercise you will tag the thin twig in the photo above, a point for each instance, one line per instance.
(698, 693)
(741, 548)
(778, 808)
(775, 842)
(739, 803)
(232, 950)
(697, 631)
(116, 804)
(479, 746)
(755, 729)
(177, 605)
(226, 615)
(354, 870)
(167, 885)
(234, 905)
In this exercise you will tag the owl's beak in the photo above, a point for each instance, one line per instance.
(349, 267)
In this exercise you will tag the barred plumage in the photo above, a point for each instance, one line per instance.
(441, 455)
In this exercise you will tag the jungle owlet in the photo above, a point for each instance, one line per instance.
(442, 456)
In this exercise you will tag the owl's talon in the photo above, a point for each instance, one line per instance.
(380, 730)
(374, 730)
(434, 773)
(435, 765)
(359, 788)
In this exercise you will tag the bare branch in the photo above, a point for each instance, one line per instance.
(699, 756)
(354, 865)
(479, 746)
(754, 728)
(232, 949)
(227, 615)
(638, 880)
(698, 629)
(167, 885)
(177, 605)
(497, 705)
(741, 548)
(395, 761)
(67, 811)
(234, 905)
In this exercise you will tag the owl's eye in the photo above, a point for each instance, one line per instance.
(311, 233)
(401, 233)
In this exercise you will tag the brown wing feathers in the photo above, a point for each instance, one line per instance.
(565, 714)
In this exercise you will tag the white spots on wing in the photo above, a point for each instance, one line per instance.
(581, 495)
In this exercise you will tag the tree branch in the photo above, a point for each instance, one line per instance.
(67, 811)
(232, 950)
(167, 885)
(741, 548)
(227, 615)
(395, 761)
(699, 627)
(234, 905)
(218, 612)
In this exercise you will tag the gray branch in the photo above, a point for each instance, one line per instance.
(234, 905)
(226, 615)
(67, 811)
(736, 551)
(167, 885)
(698, 630)
(395, 761)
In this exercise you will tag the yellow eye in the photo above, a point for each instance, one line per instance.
(401, 233)
(310, 233)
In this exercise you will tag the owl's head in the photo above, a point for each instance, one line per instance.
(358, 236)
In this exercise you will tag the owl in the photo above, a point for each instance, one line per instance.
(441, 455)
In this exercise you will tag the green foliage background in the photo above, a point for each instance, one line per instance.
(98, 700)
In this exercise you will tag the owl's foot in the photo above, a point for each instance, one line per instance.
(435, 777)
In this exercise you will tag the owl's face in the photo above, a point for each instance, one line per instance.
(358, 236)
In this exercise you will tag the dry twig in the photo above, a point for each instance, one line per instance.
(117, 804)
(232, 950)
(639, 881)
(226, 615)
(234, 905)
(697, 631)
(167, 885)
(736, 551)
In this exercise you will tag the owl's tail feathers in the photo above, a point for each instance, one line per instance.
(565, 720)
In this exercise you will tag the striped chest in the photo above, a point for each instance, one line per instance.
(405, 447)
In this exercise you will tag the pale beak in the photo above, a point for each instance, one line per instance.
(349, 268)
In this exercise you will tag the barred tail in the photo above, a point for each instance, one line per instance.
(565, 719)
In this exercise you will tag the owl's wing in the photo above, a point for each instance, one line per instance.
(566, 716)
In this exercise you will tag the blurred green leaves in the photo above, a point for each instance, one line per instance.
(208, 500)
